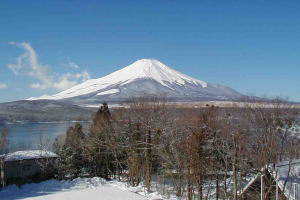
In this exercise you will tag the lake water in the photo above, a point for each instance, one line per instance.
(25, 136)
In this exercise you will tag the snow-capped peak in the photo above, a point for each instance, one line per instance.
(141, 69)
(155, 70)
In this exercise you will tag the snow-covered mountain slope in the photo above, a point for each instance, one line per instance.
(144, 77)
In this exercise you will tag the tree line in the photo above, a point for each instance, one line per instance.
(201, 153)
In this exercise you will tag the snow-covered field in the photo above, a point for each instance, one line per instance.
(77, 189)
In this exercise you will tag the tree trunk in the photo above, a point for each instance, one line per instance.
(217, 188)
(262, 187)
(148, 162)
(235, 170)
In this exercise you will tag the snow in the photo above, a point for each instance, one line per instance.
(97, 105)
(141, 69)
(25, 155)
(112, 91)
(40, 98)
(77, 189)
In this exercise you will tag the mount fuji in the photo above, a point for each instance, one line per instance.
(143, 78)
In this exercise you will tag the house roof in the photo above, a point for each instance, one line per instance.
(286, 174)
(27, 155)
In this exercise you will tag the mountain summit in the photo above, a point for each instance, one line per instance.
(145, 77)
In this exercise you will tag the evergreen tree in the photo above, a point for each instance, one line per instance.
(72, 161)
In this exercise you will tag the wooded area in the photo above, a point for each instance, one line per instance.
(202, 153)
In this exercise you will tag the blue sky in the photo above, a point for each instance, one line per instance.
(252, 46)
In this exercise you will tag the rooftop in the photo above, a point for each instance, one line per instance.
(27, 155)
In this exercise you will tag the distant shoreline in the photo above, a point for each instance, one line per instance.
(45, 122)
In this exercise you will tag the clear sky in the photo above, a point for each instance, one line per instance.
(252, 46)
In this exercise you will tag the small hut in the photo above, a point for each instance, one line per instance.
(279, 181)
(26, 166)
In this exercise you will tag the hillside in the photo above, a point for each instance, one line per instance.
(42, 110)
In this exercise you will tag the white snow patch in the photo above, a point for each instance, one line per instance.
(112, 91)
(39, 98)
(77, 189)
(97, 105)
(25, 155)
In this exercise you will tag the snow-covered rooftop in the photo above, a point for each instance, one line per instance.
(286, 175)
(27, 155)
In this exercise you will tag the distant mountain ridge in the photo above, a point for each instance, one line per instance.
(42, 111)
(143, 78)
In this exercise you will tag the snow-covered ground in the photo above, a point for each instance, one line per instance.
(77, 189)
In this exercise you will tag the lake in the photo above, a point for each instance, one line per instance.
(33, 135)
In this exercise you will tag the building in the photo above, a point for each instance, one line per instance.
(26, 166)
(279, 181)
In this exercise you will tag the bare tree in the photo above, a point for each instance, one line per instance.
(4, 141)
